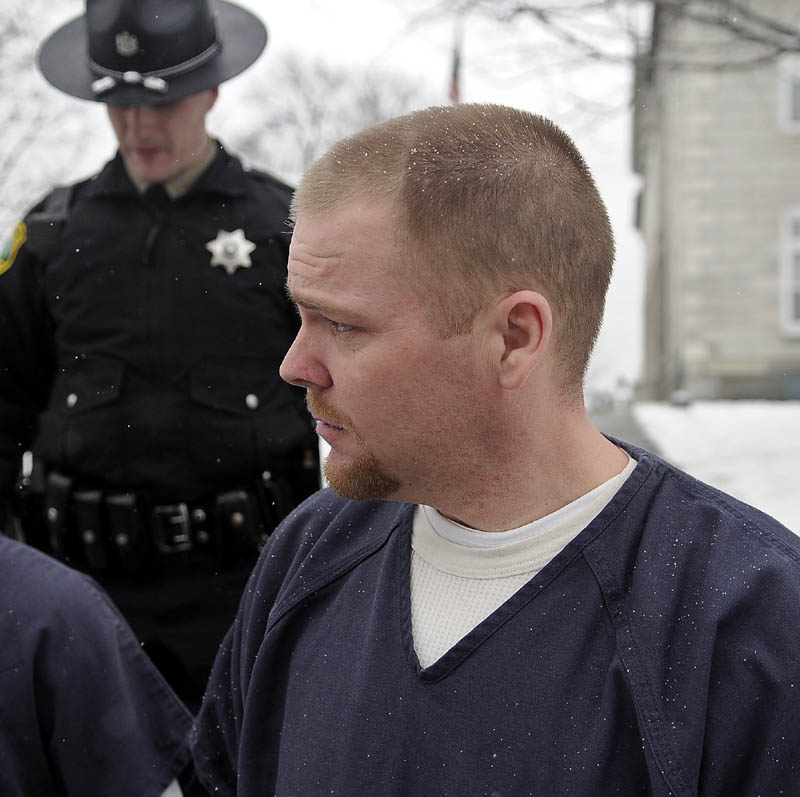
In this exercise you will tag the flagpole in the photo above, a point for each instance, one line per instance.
(454, 92)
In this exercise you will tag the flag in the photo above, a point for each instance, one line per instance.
(455, 73)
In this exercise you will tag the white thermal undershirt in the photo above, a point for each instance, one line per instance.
(459, 576)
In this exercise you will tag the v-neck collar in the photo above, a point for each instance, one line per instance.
(462, 649)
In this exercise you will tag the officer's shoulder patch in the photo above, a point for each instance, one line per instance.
(12, 245)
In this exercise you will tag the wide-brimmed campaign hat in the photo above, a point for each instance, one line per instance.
(144, 52)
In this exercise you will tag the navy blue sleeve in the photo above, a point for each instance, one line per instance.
(216, 733)
(214, 739)
(753, 743)
(704, 594)
(322, 537)
(82, 709)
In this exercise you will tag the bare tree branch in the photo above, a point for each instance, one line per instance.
(575, 24)
(306, 105)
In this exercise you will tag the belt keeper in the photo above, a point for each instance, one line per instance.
(58, 489)
(91, 527)
(237, 519)
(127, 522)
(201, 528)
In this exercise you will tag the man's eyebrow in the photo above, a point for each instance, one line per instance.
(310, 304)
(300, 301)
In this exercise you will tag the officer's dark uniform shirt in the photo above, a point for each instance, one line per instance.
(153, 369)
(657, 654)
(82, 709)
(139, 353)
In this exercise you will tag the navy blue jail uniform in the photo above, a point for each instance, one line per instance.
(83, 711)
(657, 654)
(129, 362)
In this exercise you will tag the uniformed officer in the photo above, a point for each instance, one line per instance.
(143, 318)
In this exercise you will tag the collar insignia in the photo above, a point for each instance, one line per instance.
(231, 250)
(127, 44)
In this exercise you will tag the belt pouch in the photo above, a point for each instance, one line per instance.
(91, 527)
(127, 524)
(237, 521)
(57, 491)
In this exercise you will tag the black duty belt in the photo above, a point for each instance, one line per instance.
(107, 530)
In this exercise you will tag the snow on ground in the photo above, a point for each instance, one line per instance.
(750, 449)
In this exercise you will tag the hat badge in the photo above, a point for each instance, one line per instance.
(127, 44)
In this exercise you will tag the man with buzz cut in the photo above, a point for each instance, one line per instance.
(143, 319)
(494, 598)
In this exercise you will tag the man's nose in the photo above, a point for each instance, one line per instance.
(302, 367)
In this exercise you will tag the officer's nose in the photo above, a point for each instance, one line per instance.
(141, 118)
(302, 366)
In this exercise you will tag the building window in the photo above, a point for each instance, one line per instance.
(789, 92)
(790, 271)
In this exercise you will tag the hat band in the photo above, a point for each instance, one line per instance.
(152, 81)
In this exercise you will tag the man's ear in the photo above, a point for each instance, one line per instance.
(522, 326)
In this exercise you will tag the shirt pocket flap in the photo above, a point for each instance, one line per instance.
(88, 384)
(235, 387)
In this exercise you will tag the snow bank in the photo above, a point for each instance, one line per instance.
(750, 449)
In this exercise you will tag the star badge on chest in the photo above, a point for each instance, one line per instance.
(231, 250)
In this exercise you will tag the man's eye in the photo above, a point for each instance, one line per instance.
(339, 328)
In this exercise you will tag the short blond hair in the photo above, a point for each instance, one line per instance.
(489, 200)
